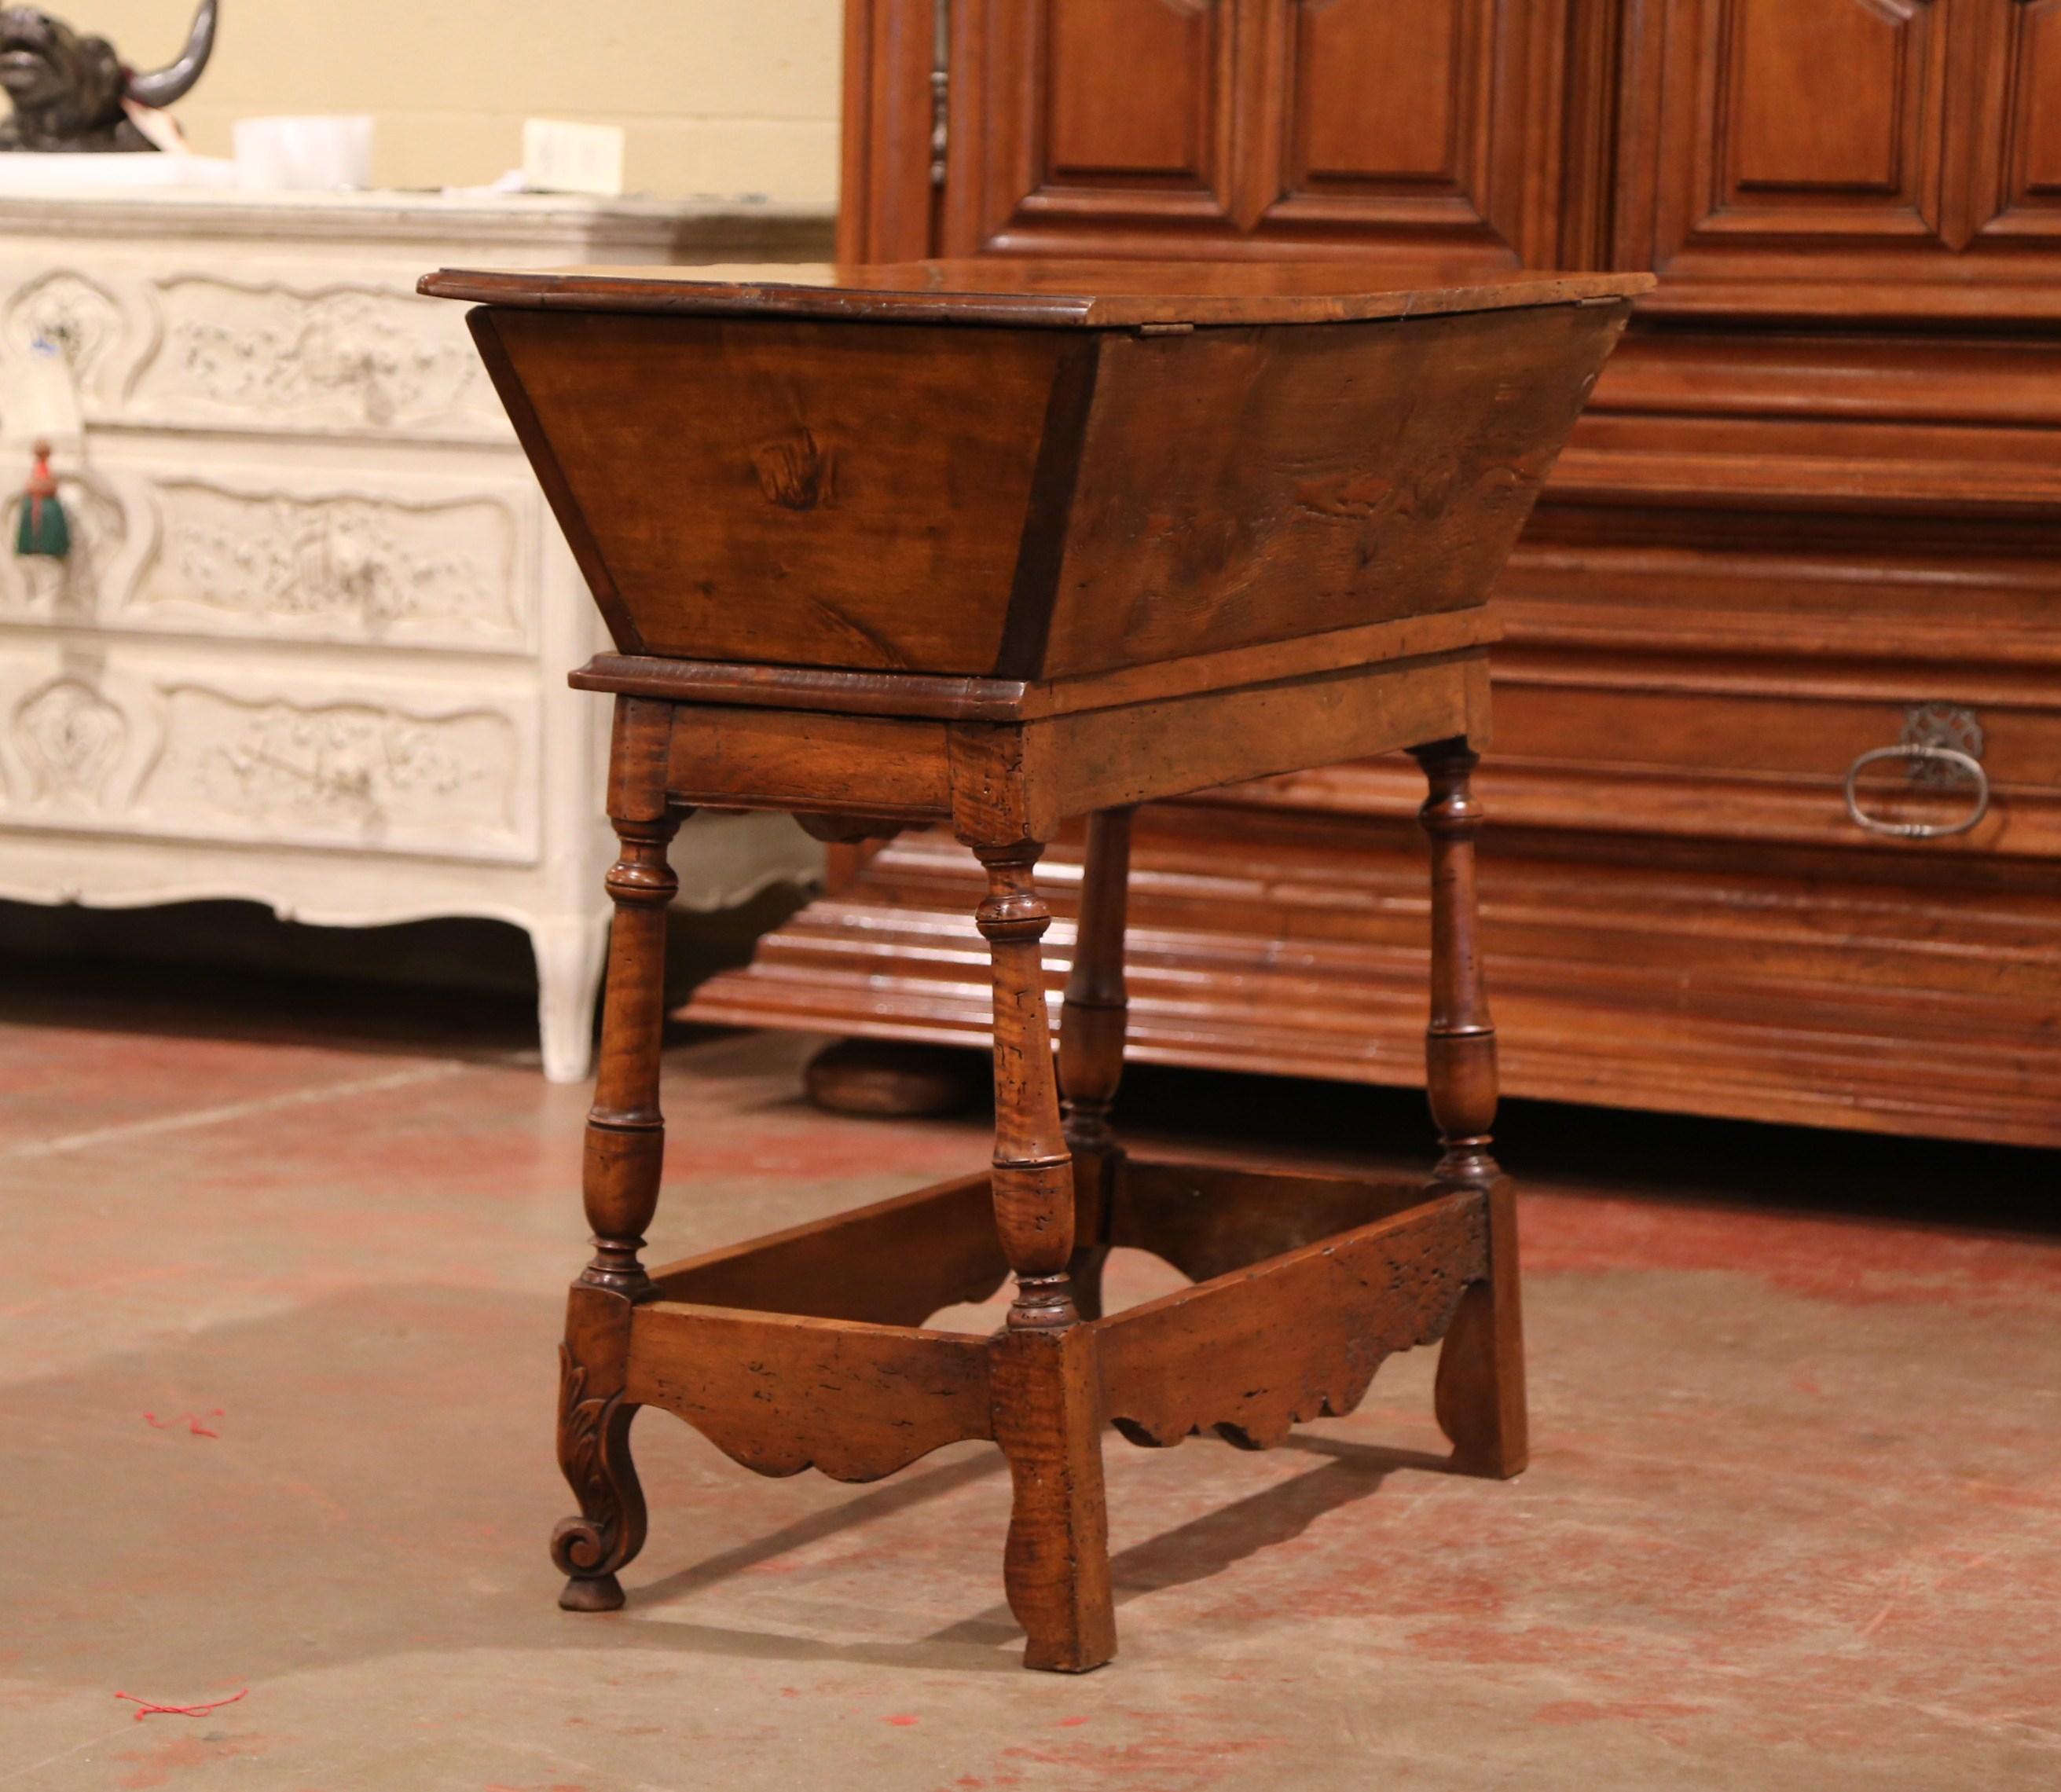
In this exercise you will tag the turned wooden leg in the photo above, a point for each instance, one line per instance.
(1480, 1392)
(1047, 1394)
(625, 1143)
(1091, 1028)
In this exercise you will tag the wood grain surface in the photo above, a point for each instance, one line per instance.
(1254, 1352)
(894, 1263)
(1050, 293)
(781, 1393)
(1257, 485)
(1815, 489)
(1013, 505)
(948, 518)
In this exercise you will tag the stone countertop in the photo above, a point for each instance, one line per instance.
(702, 221)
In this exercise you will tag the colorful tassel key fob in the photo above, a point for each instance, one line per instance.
(44, 530)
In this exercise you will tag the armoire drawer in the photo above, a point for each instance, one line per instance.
(1971, 767)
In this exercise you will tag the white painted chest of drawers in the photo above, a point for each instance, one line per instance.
(309, 647)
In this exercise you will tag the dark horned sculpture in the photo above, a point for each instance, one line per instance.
(68, 89)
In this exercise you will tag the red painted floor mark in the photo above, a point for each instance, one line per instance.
(169, 1755)
(1583, 1710)
(905, 1722)
(192, 1421)
(1071, 1723)
(149, 1708)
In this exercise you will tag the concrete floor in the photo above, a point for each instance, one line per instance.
(277, 1371)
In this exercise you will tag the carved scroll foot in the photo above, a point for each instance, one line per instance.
(1479, 1395)
(603, 1593)
(1046, 1392)
(594, 1451)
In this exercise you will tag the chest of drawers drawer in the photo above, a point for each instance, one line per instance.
(298, 653)
(163, 740)
(274, 346)
(297, 546)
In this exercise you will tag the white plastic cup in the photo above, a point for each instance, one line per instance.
(304, 155)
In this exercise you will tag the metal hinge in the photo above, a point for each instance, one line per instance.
(941, 90)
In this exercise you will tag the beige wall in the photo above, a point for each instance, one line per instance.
(717, 96)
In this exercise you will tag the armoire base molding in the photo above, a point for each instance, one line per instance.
(1803, 992)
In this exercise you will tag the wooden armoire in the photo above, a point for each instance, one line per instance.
(1813, 515)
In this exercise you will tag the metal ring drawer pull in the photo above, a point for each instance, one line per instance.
(1970, 767)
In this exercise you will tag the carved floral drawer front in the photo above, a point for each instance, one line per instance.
(309, 646)
(167, 745)
(292, 353)
(420, 561)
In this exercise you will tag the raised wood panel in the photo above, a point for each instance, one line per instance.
(1433, 125)
(2015, 177)
(1075, 120)
(1421, 56)
(1772, 50)
(2036, 111)
(1771, 152)
(1854, 159)
(1096, 129)
(1260, 128)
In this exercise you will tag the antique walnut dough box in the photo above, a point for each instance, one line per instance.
(1003, 546)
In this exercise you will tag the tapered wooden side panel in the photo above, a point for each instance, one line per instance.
(894, 1263)
(1207, 1220)
(1251, 1354)
(794, 492)
(781, 1394)
(1258, 484)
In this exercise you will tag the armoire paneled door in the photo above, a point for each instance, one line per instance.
(1804, 553)
(1228, 128)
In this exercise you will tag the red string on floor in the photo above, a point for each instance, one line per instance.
(148, 1708)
